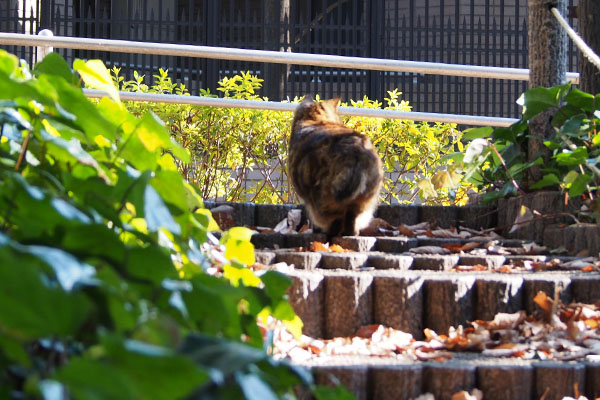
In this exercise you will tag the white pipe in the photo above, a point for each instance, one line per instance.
(290, 107)
(225, 53)
(42, 51)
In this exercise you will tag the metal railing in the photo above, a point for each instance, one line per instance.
(283, 58)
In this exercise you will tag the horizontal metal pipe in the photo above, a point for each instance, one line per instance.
(290, 107)
(278, 57)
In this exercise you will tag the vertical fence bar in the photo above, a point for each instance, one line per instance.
(486, 48)
(212, 26)
(472, 58)
(426, 79)
(444, 44)
(374, 51)
(502, 60)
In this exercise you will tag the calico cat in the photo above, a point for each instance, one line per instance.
(335, 170)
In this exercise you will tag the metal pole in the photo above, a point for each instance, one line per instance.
(224, 53)
(290, 107)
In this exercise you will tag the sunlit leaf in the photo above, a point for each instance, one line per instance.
(96, 76)
(426, 188)
(240, 275)
(8, 62)
(238, 246)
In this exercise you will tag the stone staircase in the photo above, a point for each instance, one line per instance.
(382, 282)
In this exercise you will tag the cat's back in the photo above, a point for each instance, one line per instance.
(335, 170)
(331, 162)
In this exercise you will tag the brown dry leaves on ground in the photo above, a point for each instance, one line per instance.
(561, 332)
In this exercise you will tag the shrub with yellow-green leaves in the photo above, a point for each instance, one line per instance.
(227, 144)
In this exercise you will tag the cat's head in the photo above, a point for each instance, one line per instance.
(324, 111)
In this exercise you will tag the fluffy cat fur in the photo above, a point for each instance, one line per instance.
(335, 170)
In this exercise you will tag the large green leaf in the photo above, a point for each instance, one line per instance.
(70, 152)
(150, 136)
(132, 370)
(32, 308)
(576, 126)
(26, 91)
(539, 99)
(254, 388)
(157, 214)
(157, 372)
(94, 240)
(238, 245)
(572, 158)
(89, 379)
(69, 270)
(332, 393)
(223, 356)
(276, 284)
(474, 133)
(87, 116)
(152, 264)
(582, 100)
(54, 64)
(579, 186)
(222, 315)
(547, 180)
(170, 186)
(8, 62)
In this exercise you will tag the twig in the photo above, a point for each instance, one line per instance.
(23, 151)
(514, 182)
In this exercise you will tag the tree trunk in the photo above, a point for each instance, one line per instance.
(547, 67)
(276, 37)
(588, 13)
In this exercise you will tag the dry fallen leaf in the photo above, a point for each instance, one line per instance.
(545, 303)
(459, 247)
(379, 227)
(476, 394)
(305, 229)
(333, 248)
(503, 321)
(445, 233)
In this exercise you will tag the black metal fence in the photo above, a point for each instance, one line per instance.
(473, 32)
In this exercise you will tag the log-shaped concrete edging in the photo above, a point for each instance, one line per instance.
(498, 379)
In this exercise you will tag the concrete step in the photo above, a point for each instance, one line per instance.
(498, 379)
(334, 303)
(382, 280)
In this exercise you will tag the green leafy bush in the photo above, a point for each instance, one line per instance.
(108, 286)
(496, 159)
(222, 141)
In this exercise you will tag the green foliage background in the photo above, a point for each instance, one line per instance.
(222, 140)
(110, 284)
(496, 160)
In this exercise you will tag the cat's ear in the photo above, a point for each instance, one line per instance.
(307, 100)
(335, 102)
